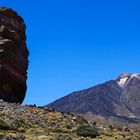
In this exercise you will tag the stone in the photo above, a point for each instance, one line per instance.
(13, 56)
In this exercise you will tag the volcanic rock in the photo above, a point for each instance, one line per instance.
(117, 98)
(13, 56)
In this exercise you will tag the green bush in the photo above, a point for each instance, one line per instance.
(87, 131)
(68, 126)
(81, 120)
(4, 125)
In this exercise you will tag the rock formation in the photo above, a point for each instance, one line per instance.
(13, 56)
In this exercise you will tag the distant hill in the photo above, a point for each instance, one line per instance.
(117, 98)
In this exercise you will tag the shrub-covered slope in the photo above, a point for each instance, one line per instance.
(27, 122)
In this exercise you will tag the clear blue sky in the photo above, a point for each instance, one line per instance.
(75, 44)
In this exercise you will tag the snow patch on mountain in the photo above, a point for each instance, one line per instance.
(135, 75)
(122, 81)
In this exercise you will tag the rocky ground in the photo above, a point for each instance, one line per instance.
(27, 122)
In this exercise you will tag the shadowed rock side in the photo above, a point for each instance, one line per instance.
(13, 56)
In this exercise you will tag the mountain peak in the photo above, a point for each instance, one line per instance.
(126, 74)
(106, 99)
(125, 77)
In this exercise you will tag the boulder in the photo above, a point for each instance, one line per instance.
(13, 56)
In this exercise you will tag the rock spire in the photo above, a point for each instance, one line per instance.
(13, 56)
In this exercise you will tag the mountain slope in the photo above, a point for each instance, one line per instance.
(120, 97)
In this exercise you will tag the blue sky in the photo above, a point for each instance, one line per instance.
(75, 44)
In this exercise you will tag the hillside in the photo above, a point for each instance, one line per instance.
(118, 98)
(27, 122)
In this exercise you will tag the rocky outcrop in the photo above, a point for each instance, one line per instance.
(13, 56)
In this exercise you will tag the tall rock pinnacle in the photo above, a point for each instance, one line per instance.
(13, 56)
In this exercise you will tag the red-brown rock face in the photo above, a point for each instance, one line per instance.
(13, 56)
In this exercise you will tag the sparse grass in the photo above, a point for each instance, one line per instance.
(32, 123)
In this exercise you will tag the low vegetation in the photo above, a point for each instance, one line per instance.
(27, 122)
(4, 125)
(87, 131)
